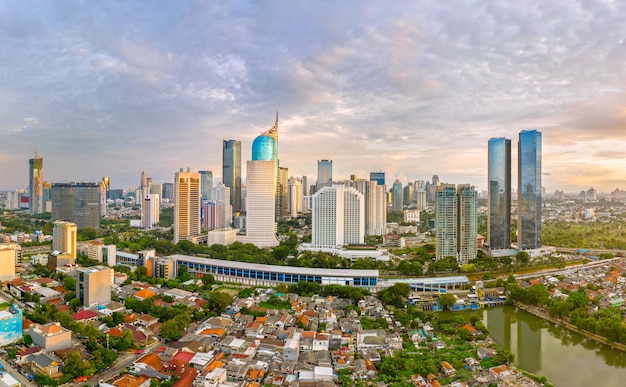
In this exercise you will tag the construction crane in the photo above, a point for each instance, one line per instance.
(34, 148)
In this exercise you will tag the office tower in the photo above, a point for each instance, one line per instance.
(397, 196)
(9, 255)
(353, 178)
(206, 184)
(168, 191)
(305, 186)
(282, 204)
(499, 194)
(436, 181)
(64, 237)
(106, 181)
(375, 203)
(77, 202)
(35, 200)
(150, 210)
(420, 184)
(468, 222)
(529, 190)
(456, 222)
(93, 285)
(408, 194)
(186, 205)
(324, 172)
(296, 197)
(446, 221)
(261, 190)
(231, 171)
(420, 199)
(338, 217)
(378, 177)
(143, 180)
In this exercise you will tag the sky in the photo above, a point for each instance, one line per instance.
(411, 88)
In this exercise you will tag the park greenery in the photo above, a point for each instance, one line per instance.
(585, 235)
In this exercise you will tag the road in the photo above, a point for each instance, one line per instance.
(565, 270)
(15, 373)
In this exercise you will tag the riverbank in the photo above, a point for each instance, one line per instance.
(538, 312)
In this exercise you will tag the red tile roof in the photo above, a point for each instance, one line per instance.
(84, 314)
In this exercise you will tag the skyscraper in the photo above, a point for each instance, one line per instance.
(206, 184)
(468, 222)
(446, 221)
(35, 200)
(499, 194)
(150, 210)
(529, 190)
(107, 184)
(397, 196)
(456, 217)
(338, 217)
(375, 203)
(324, 172)
(231, 171)
(143, 180)
(296, 197)
(187, 204)
(80, 203)
(261, 190)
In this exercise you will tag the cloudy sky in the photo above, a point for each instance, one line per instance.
(413, 88)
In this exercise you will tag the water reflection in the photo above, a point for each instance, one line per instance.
(564, 357)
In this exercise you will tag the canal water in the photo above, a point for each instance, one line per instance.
(562, 356)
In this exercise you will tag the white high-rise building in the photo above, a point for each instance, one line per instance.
(218, 213)
(338, 217)
(296, 197)
(456, 217)
(261, 204)
(187, 204)
(375, 199)
(150, 210)
(64, 237)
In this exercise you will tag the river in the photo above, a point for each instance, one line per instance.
(562, 356)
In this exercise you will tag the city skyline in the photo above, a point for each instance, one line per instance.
(377, 86)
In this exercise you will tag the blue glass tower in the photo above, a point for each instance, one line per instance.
(529, 190)
(265, 146)
(499, 230)
(378, 177)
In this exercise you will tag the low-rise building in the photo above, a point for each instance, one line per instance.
(51, 336)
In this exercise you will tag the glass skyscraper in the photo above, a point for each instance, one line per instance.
(529, 190)
(324, 171)
(231, 171)
(206, 184)
(499, 229)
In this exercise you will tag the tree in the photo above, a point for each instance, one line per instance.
(522, 258)
(69, 283)
(73, 365)
(447, 300)
(183, 272)
(28, 340)
(207, 281)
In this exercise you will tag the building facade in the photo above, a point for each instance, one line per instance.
(64, 236)
(468, 222)
(499, 194)
(375, 198)
(231, 171)
(10, 324)
(80, 203)
(529, 190)
(397, 196)
(324, 172)
(186, 205)
(338, 217)
(282, 204)
(93, 285)
(378, 177)
(9, 256)
(296, 197)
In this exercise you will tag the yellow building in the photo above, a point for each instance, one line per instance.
(64, 237)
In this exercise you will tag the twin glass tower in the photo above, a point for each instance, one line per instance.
(528, 192)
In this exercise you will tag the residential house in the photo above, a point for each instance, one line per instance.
(51, 336)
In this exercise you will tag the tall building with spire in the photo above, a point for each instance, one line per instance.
(35, 180)
(529, 190)
(261, 190)
(187, 203)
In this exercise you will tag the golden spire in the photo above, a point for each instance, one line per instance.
(273, 131)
